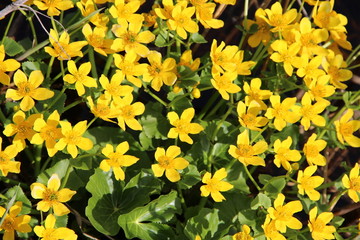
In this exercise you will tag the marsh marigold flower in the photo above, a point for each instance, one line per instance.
(244, 234)
(48, 132)
(246, 153)
(307, 182)
(311, 113)
(125, 10)
(51, 196)
(346, 127)
(11, 222)
(312, 149)
(186, 59)
(224, 84)
(311, 70)
(319, 88)
(22, 128)
(96, 38)
(214, 185)
(277, 19)
(160, 72)
(28, 89)
(102, 108)
(87, 7)
(53, 6)
(169, 163)
(50, 232)
(263, 33)
(318, 225)
(282, 214)
(205, 12)
(183, 126)
(117, 159)
(181, 21)
(255, 94)
(352, 183)
(80, 77)
(63, 49)
(248, 117)
(6, 155)
(7, 65)
(72, 138)
(283, 153)
(283, 112)
(270, 230)
(222, 57)
(130, 37)
(113, 88)
(128, 112)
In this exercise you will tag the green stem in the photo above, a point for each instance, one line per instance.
(228, 112)
(208, 105)
(14, 182)
(251, 178)
(182, 200)
(216, 107)
(108, 63)
(56, 99)
(156, 97)
(53, 23)
(38, 149)
(354, 66)
(2, 116)
(48, 72)
(91, 122)
(71, 105)
(8, 27)
(353, 55)
(93, 63)
(66, 176)
(333, 202)
(46, 163)
(33, 30)
(259, 134)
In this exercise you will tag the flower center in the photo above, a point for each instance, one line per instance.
(355, 184)
(311, 150)
(8, 224)
(165, 162)
(346, 129)
(128, 112)
(244, 150)
(182, 126)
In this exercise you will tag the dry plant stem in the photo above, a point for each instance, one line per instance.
(326, 176)
(11, 8)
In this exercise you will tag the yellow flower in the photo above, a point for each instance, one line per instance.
(51, 196)
(186, 59)
(319, 88)
(63, 49)
(73, 138)
(255, 94)
(284, 154)
(7, 65)
(224, 84)
(113, 88)
(248, 118)
(287, 55)
(317, 225)
(48, 132)
(277, 19)
(102, 108)
(230, 2)
(80, 77)
(242, 68)
(270, 230)
(263, 33)
(310, 38)
(87, 7)
(6, 155)
(223, 58)
(22, 129)
(181, 21)
(334, 66)
(53, 6)
(49, 232)
(131, 38)
(283, 112)
(28, 89)
(310, 113)
(307, 183)
(346, 128)
(352, 183)
(168, 162)
(130, 67)
(11, 222)
(159, 72)
(312, 149)
(204, 13)
(128, 112)
(244, 234)
(215, 185)
(122, 10)
(282, 214)
(117, 159)
(96, 38)
(310, 70)
(183, 126)
(246, 153)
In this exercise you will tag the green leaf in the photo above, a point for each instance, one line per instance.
(190, 177)
(161, 39)
(12, 47)
(59, 168)
(291, 130)
(111, 198)
(149, 222)
(19, 195)
(58, 105)
(261, 200)
(197, 38)
(206, 224)
(180, 102)
(273, 185)
(29, 66)
(237, 177)
(154, 124)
